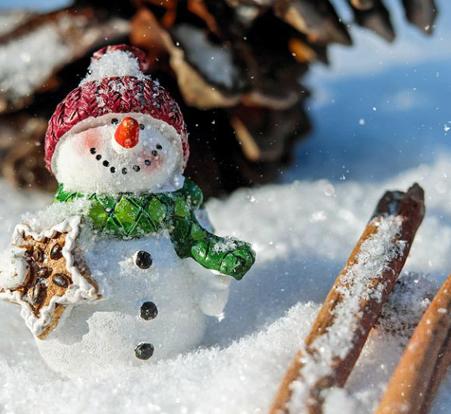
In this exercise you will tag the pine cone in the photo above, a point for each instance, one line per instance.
(22, 153)
(234, 65)
(238, 63)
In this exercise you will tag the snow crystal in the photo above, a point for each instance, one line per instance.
(338, 401)
(410, 298)
(227, 245)
(115, 63)
(24, 63)
(53, 214)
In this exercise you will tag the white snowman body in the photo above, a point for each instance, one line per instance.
(180, 292)
(124, 313)
(107, 332)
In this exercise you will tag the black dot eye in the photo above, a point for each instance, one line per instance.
(114, 121)
(159, 147)
(147, 162)
(141, 126)
(92, 150)
(98, 157)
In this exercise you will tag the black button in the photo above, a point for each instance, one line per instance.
(143, 259)
(149, 311)
(144, 351)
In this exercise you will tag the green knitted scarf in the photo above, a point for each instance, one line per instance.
(129, 215)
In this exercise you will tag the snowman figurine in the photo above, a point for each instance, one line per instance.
(123, 267)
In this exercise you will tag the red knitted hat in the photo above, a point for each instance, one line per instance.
(115, 84)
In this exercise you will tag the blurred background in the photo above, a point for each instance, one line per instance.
(271, 90)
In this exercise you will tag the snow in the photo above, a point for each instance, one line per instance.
(303, 232)
(243, 356)
(111, 64)
(216, 62)
(9, 21)
(375, 255)
(21, 73)
(412, 296)
(228, 244)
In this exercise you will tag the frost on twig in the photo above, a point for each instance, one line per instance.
(353, 304)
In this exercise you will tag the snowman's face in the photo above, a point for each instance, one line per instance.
(119, 153)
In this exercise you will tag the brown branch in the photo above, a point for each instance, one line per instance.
(77, 31)
(353, 304)
(425, 360)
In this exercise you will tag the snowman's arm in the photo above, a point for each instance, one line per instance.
(227, 256)
(212, 289)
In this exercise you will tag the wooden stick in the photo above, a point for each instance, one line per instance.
(353, 304)
(425, 360)
(441, 368)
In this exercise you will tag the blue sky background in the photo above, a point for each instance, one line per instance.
(32, 4)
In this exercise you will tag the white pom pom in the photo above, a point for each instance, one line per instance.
(115, 63)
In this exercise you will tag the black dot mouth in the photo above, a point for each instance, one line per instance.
(124, 170)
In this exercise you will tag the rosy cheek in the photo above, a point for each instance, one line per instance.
(155, 161)
(89, 139)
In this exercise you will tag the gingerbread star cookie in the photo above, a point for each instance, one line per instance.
(47, 274)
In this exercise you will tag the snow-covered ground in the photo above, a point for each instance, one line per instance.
(378, 126)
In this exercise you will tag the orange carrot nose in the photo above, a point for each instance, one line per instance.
(127, 133)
